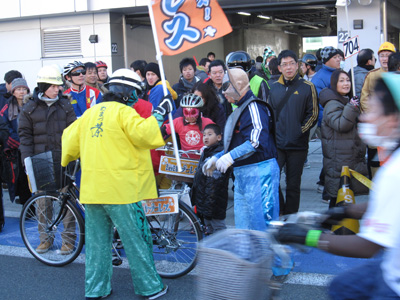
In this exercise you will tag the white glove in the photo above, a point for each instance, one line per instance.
(209, 166)
(224, 163)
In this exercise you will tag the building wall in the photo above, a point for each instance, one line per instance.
(23, 49)
(371, 35)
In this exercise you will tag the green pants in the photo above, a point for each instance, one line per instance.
(130, 221)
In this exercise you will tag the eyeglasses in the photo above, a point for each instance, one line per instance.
(291, 64)
(79, 72)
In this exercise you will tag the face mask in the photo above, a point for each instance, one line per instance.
(191, 113)
(229, 90)
(342, 64)
(368, 134)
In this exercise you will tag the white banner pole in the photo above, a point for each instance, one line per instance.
(351, 57)
(160, 63)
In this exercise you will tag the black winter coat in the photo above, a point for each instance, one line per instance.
(41, 126)
(210, 195)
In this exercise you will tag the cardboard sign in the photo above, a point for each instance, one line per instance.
(168, 166)
(165, 205)
(351, 47)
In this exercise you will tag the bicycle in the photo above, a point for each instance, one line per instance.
(175, 228)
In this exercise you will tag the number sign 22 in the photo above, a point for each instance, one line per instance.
(351, 47)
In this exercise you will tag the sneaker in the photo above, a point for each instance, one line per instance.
(307, 165)
(43, 247)
(326, 201)
(159, 294)
(320, 188)
(66, 249)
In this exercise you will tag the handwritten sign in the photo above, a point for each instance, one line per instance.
(168, 166)
(165, 205)
(351, 47)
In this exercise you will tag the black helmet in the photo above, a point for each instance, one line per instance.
(239, 59)
(310, 59)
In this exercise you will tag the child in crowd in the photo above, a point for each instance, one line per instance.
(210, 194)
(190, 126)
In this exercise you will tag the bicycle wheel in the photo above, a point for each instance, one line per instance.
(37, 215)
(175, 242)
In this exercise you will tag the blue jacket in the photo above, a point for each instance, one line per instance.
(321, 80)
(253, 126)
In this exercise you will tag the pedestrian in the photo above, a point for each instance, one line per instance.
(113, 142)
(83, 96)
(187, 80)
(217, 72)
(202, 69)
(258, 85)
(210, 194)
(92, 78)
(189, 127)
(307, 65)
(295, 106)
(211, 56)
(250, 148)
(10, 113)
(3, 142)
(380, 226)
(273, 66)
(42, 121)
(102, 72)
(365, 63)
(341, 144)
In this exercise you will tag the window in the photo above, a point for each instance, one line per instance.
(61, 42)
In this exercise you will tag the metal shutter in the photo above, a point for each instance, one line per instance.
(61, 42)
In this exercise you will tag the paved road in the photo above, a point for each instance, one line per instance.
(22, 277)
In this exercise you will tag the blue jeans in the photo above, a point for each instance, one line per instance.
(364, 282)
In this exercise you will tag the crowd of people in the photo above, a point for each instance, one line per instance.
(251, 121)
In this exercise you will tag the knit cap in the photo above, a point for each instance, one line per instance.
(328, 52)
(18, 82)
(153, 67)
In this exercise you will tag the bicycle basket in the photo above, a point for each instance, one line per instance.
(40, 169)
(234, 264)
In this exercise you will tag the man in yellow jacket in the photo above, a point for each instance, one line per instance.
(113, 142)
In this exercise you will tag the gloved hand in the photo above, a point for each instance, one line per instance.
(298, 234)
(355, 101)
(335, 214)
(166, 106)
(209, 166)
(224, 162)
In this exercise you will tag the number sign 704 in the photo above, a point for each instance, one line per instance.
(351, 47)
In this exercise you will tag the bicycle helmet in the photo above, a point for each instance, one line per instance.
(192, 101)
(101, 64)
(239, 59)
(50, 75)
(309, 59)
(69, 67)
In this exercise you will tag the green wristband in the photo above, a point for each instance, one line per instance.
(312, 238)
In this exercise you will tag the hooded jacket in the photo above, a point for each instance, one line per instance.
(297, 116)
(209, 194)
(341, 145)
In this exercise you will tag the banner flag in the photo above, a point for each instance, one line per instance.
(185, 24)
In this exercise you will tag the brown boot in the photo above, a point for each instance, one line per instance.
(66, 249)
(44, 247)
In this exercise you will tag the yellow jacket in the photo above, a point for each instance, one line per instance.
(113, 142)
(368, 87)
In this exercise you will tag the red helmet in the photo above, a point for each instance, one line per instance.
(101, 64)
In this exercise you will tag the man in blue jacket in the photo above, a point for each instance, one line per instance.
(250, 147)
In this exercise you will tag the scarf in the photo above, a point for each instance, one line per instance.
(48, 101)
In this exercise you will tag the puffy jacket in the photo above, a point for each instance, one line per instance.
(359, 76)
(297, 116)
(209, 194)
(41, 126)
(183, 87)
(341, 145)
(113, 142)
(227, 106)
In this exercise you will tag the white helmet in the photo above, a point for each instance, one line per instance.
(192, 100)
(69, 67)
(126, 77)
(50, 75)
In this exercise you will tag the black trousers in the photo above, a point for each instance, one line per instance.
(294, 161)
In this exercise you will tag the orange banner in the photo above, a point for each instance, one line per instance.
(182, 25)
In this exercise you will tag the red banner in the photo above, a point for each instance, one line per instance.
(182, 25)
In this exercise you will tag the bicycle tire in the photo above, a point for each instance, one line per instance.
(45, 207)
(175, 242)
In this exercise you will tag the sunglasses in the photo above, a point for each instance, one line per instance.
(79, 72)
